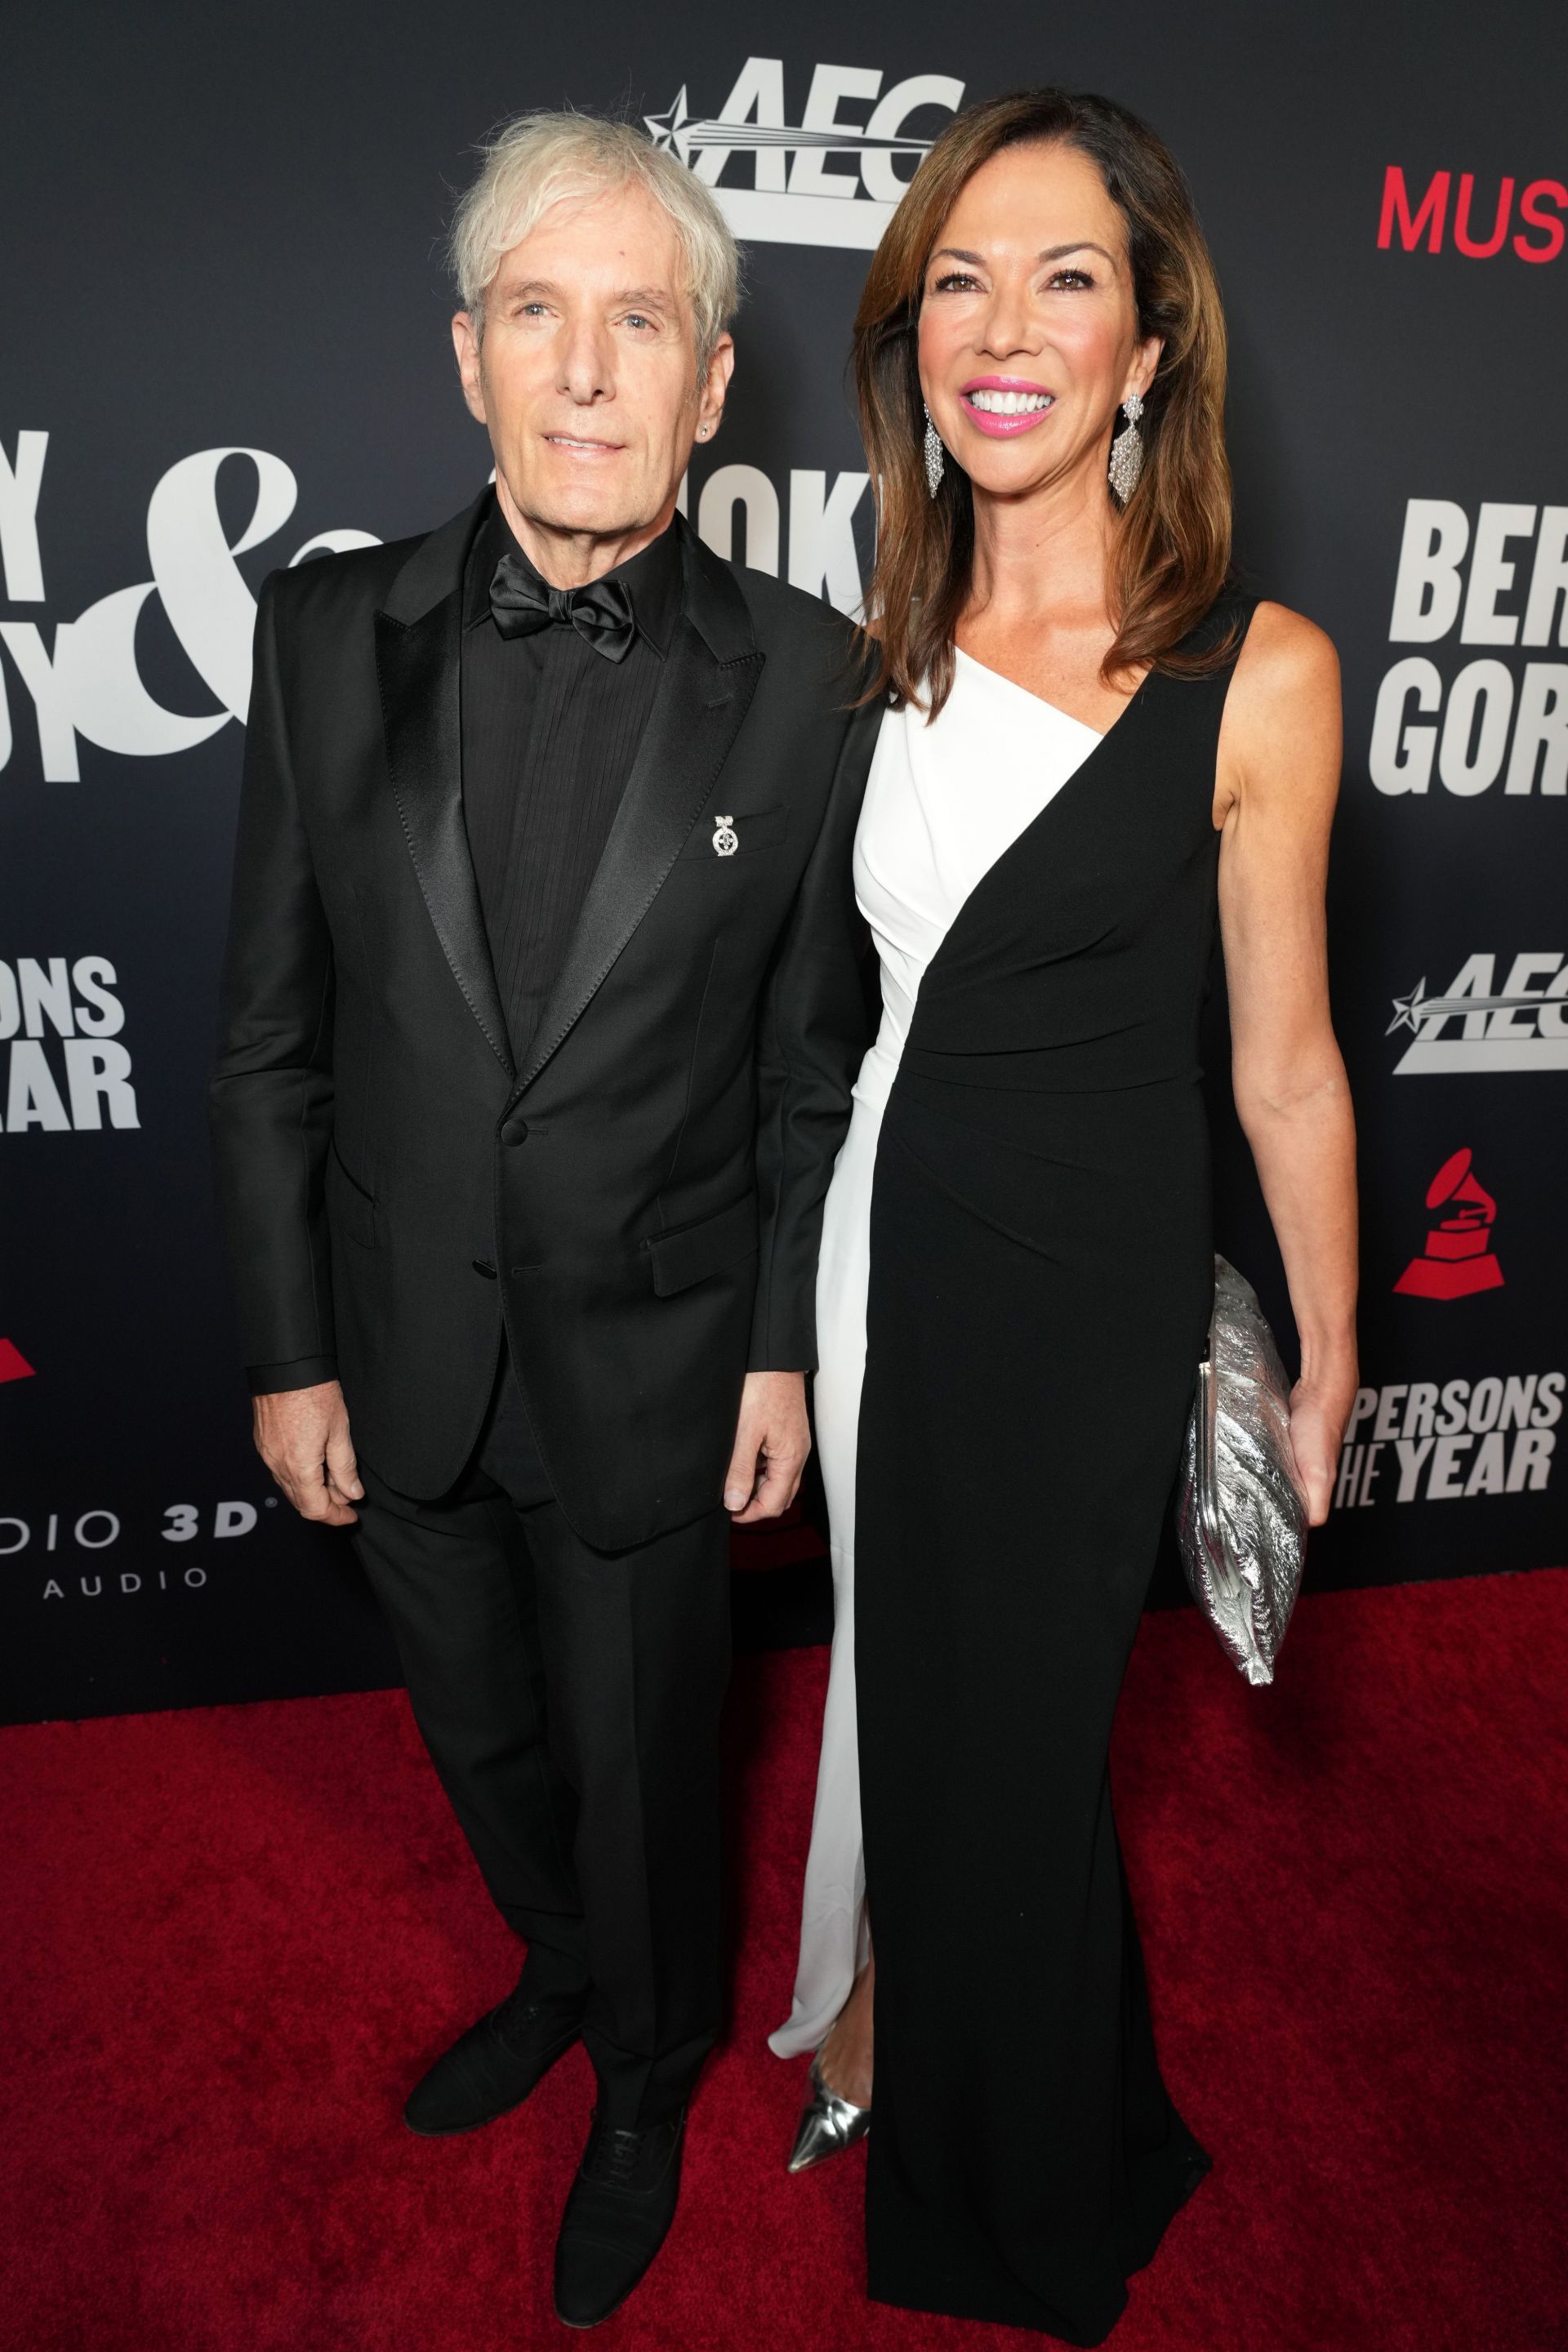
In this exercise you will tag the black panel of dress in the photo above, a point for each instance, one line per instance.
(1041, 1275)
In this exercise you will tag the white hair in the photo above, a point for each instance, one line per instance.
(540, 160)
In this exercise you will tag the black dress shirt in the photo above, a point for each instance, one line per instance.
(550, 729)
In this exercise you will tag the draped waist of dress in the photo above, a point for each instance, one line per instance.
(1056, 1046)
(1105, 1176)
(1106, 1110)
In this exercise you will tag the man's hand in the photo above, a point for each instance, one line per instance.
(302, 1435)
(773, 1439)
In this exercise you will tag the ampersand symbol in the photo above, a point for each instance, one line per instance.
(209, 606)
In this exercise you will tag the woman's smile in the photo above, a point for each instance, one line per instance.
(1004, 406)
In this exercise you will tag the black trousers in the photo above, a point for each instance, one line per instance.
(570, 1699)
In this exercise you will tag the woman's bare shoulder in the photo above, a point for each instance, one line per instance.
(1280, 737)
(1285, 656)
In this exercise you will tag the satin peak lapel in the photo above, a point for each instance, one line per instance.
(417, 666)
(697, 715)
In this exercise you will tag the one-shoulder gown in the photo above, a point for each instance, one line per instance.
(1015, 1281)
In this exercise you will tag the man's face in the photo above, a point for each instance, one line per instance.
(585, 374)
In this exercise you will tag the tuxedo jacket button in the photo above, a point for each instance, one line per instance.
(482, 1265)
(515, 1131)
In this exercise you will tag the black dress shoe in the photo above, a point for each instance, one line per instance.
(495, 2064)
(618, 2217)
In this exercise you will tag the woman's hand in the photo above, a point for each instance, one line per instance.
(1318, 1418)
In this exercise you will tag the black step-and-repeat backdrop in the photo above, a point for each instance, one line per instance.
(226, 350)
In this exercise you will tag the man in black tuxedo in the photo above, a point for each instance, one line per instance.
(542, 1010)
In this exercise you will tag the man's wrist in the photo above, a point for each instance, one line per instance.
(303, 1372)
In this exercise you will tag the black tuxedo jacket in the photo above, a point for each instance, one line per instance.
(641, 1202)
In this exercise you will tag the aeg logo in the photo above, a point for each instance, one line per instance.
(1488, 727)
(813, 200)
(1524, 1027)
(1540, 208)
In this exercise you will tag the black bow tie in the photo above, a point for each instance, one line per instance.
(602, 612)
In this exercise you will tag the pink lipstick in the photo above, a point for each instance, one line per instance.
(1006, 406)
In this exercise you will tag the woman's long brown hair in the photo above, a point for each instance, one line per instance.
(1170, 557)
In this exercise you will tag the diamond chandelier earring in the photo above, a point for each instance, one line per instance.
(934, 453)
(1126, 451)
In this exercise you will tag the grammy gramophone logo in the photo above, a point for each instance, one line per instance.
(1457, 1260)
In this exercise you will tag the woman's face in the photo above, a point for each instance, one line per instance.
(1028, 330)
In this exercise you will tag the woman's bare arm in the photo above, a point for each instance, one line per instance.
(1278, 779)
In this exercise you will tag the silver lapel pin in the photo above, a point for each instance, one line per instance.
(726, 840)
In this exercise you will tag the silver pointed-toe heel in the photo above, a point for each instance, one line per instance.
(828, 2125)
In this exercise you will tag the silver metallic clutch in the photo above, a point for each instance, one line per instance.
(1241, 1515)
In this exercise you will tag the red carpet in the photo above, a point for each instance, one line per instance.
(233, 1934)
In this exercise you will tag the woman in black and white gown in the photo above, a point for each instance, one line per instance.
(925, 839)
(1095, 747)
